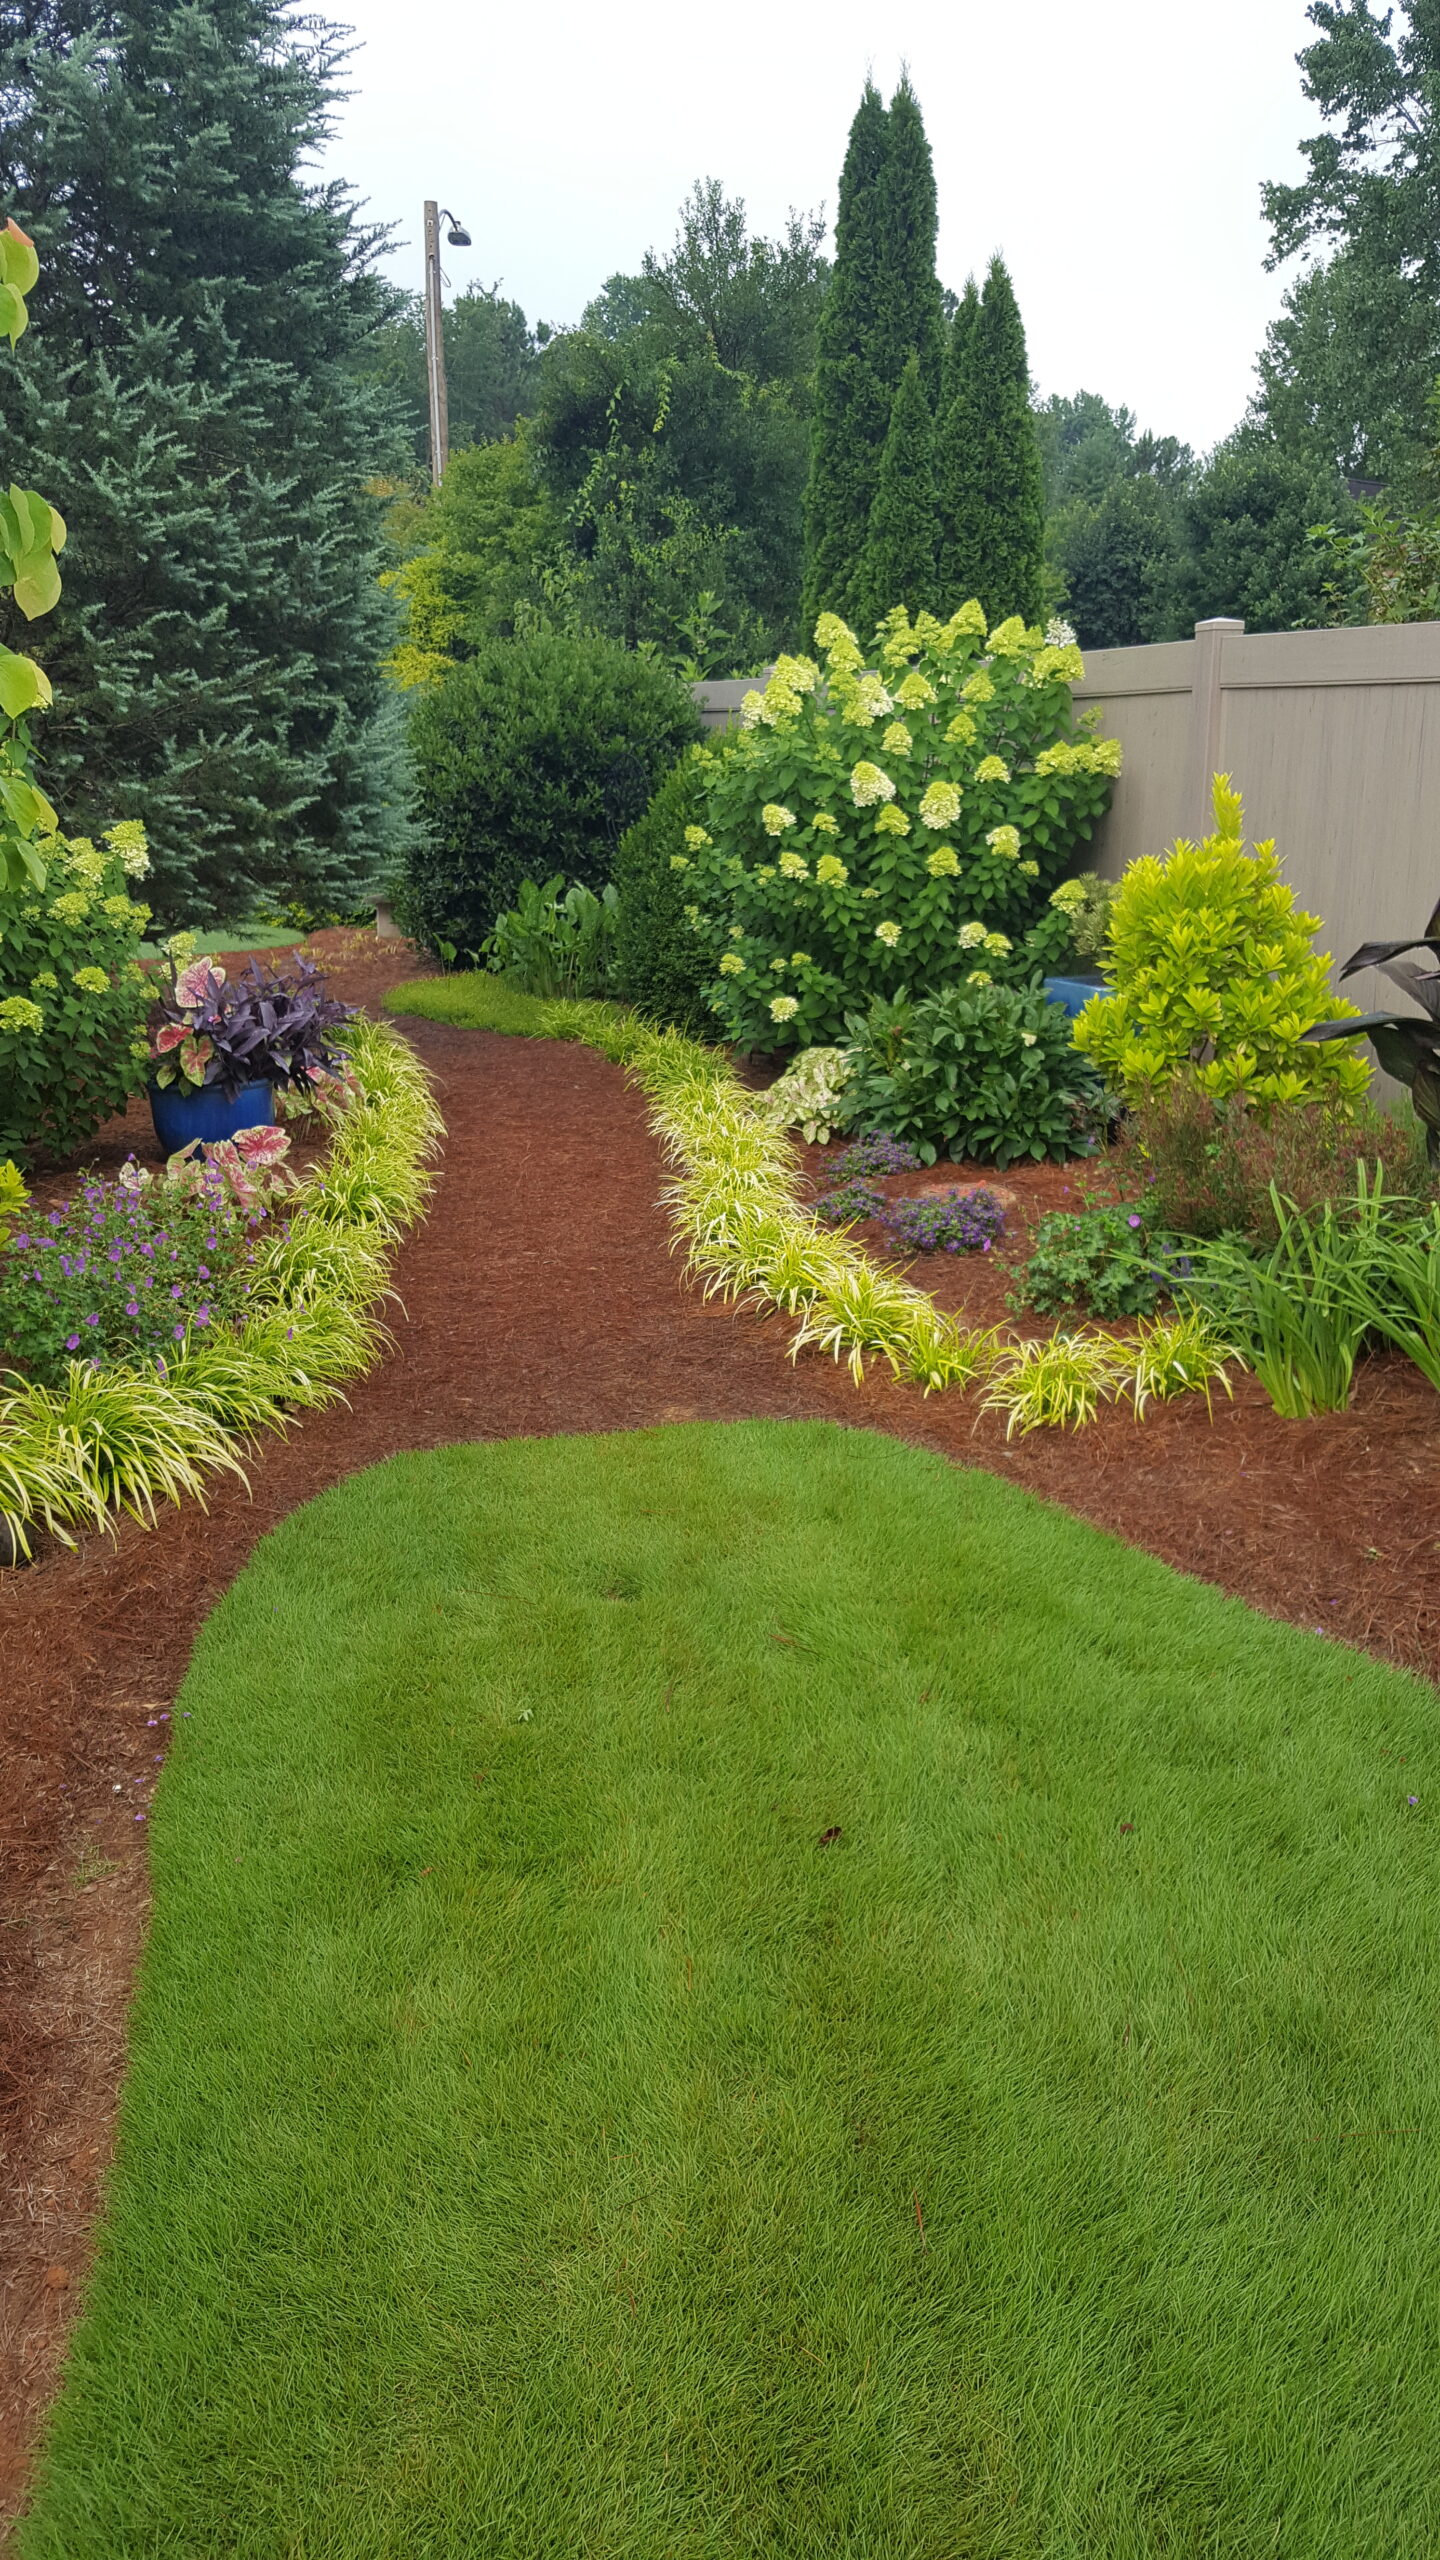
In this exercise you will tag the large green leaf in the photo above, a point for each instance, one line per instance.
(14, 319)
(19, 265)
(23, 686)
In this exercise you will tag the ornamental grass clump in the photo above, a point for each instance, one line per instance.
(873, 832)
(143, 1432)
(1214, 980)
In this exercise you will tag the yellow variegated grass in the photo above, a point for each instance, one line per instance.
(748, 1237)
(125, 1439)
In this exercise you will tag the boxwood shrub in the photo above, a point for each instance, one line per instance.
(532, 758)
(662, 965)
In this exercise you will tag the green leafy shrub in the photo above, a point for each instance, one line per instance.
(73, 996)
(1105, 1260)
(532, 757)
(662, 966)
(556, 941)
(810, 1096)
(987, 1073)
(1212, 1168)
(868, 834)
(1214, 977)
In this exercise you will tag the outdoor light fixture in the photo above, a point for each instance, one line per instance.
(458, 238)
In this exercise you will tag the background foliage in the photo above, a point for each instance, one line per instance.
(194, 400)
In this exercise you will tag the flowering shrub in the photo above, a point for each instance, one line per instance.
(72, 993)
(260, 1028)
(122, 1272)
(1215, 979)
(870, 833)
(948, 1222)
(988, 1073)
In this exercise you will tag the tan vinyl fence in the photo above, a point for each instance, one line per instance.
(1333, 737)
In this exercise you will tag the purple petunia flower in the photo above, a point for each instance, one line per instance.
(72, 1341)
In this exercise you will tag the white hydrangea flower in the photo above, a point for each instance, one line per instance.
(887, 933)
(784, 1008)
(868, 784)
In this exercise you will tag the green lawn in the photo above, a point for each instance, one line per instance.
(471, 998)
(234, 938)
(740, 1993)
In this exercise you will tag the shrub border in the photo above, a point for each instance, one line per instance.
(126, 1438)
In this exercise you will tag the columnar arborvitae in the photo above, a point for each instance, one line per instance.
(1002, 521)
(883, 306)
(194, 406)
(852, 392)
(954, 486)
(914, 315)
(898, 563)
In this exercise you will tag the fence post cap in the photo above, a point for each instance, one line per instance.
(1219, 622)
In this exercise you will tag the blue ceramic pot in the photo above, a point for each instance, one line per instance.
(209, 1114)
(1075, 992)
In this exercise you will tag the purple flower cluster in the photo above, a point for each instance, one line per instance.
(850, 1201)
(947, 1222)
(121, 1271)
(874, 1154)
(942, 1222)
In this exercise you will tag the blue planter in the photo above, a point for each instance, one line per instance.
(209, 1114)
(1075, 992)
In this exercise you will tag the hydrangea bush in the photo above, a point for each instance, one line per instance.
(906, 829)
(72, 992)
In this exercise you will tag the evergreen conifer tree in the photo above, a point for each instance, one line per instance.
(954, 492)
(197, 406)
(898, 564)
(1001, 523)
(913, 316)
(852, 390)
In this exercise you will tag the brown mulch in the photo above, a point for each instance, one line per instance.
(541, 1296)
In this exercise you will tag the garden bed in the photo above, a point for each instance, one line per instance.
(541, 1296)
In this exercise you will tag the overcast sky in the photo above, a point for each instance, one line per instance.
(1113, 149)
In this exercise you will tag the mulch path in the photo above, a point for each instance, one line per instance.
(541, 1296)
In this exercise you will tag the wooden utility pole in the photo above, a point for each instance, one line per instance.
(435, 348)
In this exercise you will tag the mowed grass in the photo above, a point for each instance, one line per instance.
(472, 999)
(741, 1991)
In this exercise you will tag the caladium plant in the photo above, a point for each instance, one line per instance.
(1406, 1044)
(249, 1168)
(272, 1027)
